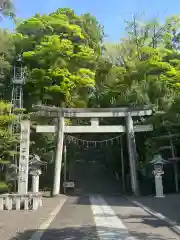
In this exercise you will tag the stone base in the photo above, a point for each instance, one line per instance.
(160, 196)
(15, 201)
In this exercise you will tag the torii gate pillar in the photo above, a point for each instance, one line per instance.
(59, 155)
(132, 153)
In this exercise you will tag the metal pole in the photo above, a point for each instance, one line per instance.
(175, 166)
(58, 159)
(132, 157)
(65, 162)
(122, 165)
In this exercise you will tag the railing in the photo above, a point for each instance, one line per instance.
(15, 201)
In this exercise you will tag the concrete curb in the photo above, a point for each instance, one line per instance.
(174, 225)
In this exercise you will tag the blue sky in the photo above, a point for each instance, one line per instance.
(110, 13)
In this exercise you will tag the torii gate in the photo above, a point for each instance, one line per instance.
(94, 114)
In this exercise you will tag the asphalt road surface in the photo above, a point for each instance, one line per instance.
(105, 218)
(98, 211)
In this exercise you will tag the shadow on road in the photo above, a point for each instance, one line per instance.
(88, 233)
(116, 201)
(168, 206)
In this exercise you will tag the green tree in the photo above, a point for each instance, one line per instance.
(7, 141)
(60, 52)
(60, 60)
(144, 69)
(7, 8)
(6, 52)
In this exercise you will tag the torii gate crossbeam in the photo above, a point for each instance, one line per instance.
(93, 129)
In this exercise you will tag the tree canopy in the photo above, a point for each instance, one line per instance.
(60, 55)
(7, 8)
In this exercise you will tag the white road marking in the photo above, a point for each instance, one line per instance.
(108, 225)
(41, 229)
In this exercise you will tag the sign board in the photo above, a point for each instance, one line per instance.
(24, 157)
(69, 184)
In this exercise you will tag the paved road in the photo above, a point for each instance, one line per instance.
(106, 218)
(74, 221)
(169, 206)
(97, 212)
(90, 216)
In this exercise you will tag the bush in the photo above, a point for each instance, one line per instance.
(3, 187)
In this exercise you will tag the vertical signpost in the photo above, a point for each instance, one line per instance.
(24, 157)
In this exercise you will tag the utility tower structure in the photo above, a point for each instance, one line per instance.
(18, 81)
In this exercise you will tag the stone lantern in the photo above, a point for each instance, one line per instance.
(35, 170)
(158, 163)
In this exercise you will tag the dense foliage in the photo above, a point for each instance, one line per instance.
(60, 55)
(7, 142)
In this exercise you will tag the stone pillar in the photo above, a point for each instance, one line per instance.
(132, 154)
(35, 173)
(122, 165)
(58, 159)
(159, 186)
(35, 184)
(24, 157)
(65, 168)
